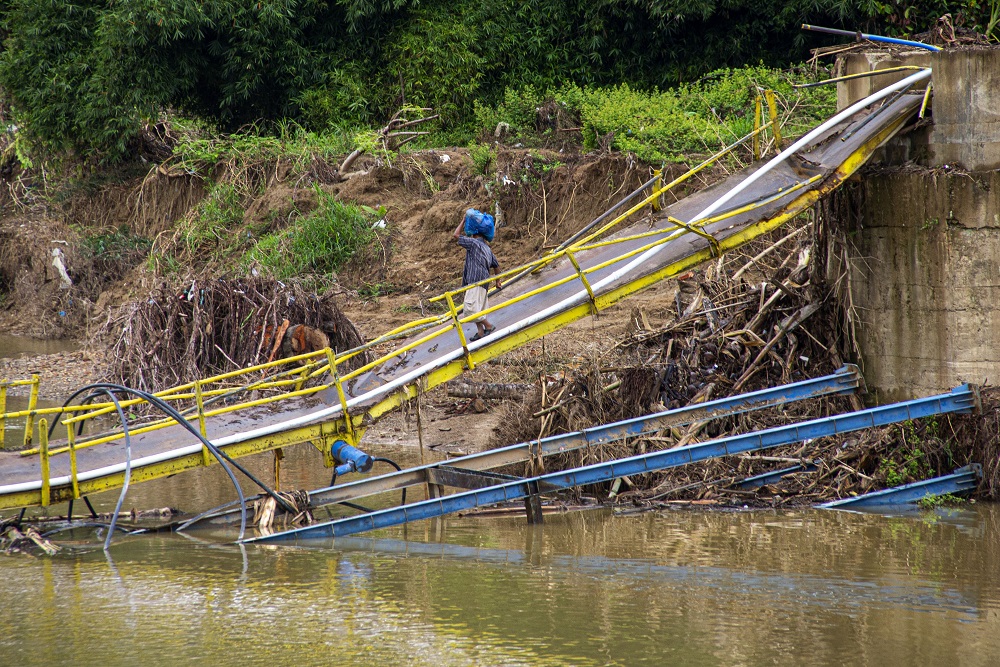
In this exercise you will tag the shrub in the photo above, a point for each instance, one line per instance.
(346, 99)
(438, 67)
(654, 126)
(217, 214)
(317, 243)
(484, 158)
(663, 125)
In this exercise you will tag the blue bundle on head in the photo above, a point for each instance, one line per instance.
(477, 222)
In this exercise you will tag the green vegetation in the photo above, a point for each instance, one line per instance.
(117, 245)
(944, 500)
(920, 442)
(82, 76)
(218, 213)
(484, 158)
(317, 243)
(200, 149)
(913, 468)
(658, 126)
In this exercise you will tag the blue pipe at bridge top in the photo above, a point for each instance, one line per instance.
(874, 38)
(961, 399)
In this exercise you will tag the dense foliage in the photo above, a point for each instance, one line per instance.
(657, 126)
(81, 75)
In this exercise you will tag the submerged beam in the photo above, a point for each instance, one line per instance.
(961, 480)
(961, 399)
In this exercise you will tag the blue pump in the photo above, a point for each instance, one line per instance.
(351, 459)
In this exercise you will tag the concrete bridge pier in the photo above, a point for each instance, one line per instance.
(923, 231)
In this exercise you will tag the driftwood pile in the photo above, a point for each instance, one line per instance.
(760, 318)
(24, 540)
(178, 334)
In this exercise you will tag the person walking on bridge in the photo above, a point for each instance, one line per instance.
(480, 262)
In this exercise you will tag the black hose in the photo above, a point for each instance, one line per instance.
(402, 500)
(128, 466)
(178, 417)
(220, 456)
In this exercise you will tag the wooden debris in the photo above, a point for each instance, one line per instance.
(489, 390)
(175, 335)
(779, 321)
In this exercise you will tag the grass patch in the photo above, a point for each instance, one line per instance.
(248, 158)
(113, 254)
(315, 244)
(219, 213)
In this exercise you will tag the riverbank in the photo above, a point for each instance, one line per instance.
(60, 373)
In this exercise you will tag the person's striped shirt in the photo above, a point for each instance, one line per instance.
(479, 259)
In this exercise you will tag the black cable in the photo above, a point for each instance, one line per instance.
(355, 506)
(128, 466)
(169, 410)
(163, 406)
(402, 500)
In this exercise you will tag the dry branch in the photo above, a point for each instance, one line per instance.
(388, 137)
(179, 333)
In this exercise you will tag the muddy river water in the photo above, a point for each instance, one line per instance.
(679, 587)
(675, 587)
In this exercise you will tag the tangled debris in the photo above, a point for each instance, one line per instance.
(765, 316)
(215, 326)
(14, 540)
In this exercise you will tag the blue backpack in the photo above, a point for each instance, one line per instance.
(477, 222)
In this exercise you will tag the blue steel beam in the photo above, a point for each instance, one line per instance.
(961, 480)
(960, 399)
(845, 380)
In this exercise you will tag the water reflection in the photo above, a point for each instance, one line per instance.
(811, 587)
(20, 346)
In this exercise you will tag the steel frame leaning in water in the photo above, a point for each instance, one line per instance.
(962, 399)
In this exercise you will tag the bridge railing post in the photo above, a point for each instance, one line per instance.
(73, 471)
(583, 279)
(458, 327)
(29, 422)
(758, 119)
(341, 395)
(657, 186)
(3, 409)
(43, 456)
(205, 454)
(772, 109)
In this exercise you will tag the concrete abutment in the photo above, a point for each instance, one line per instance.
(924, 231)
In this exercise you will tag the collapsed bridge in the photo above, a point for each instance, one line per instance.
(606, 263)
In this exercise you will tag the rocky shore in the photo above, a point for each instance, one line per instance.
(60, 373)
